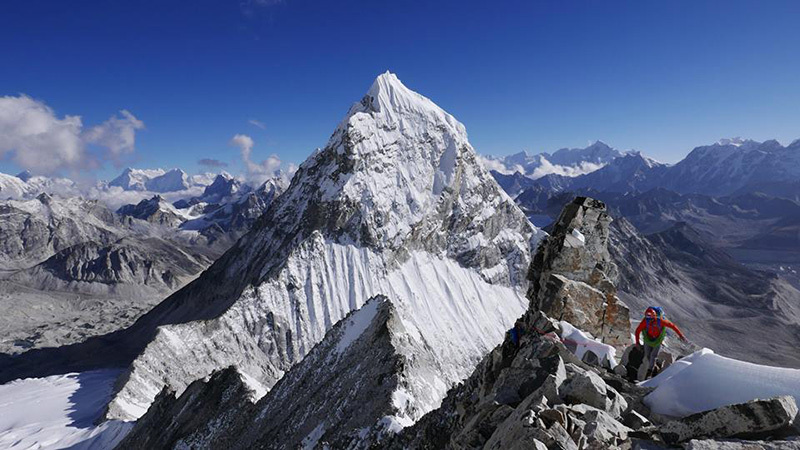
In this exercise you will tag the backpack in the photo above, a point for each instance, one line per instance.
(654, 323)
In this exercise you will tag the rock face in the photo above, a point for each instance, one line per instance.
(758, 417)
(571, 277)
(526, 397)
(198, 417)
(151, 262)
(33, 230)
(155, 210)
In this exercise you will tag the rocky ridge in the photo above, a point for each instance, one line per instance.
(535, 393)
(529, 392)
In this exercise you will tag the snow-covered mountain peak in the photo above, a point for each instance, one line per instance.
(155, 180)
(25, 175)
(224, 185)
(736, 141)
(395, 160)
(391, 103)
(636, 155)
(395, 204)
(598, 144)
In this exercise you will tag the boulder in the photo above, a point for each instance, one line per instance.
(532, 422)
(632, 360)
(514, 384)
(599, 428)
(754, 418)
(586, 387)
(632, 419)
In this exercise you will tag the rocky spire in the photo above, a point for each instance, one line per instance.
(572, 275)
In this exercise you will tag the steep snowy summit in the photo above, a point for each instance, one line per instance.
(395, 204)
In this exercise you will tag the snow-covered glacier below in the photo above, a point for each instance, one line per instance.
(450, 308)
(59, 412)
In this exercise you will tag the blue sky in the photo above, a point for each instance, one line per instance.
(661, 77)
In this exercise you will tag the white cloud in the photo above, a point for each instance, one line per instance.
(36, 139)
(490, 163)
(257, 123)
(547, 168)
(257, 173)
(117, 135)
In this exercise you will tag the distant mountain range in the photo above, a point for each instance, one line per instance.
(68, 253)
(566, 161)
(739, 196)
(728, 167)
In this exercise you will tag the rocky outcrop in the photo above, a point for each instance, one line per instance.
(754, 418)
(155, 210)
(89, 266)
(207, 414)
(527, 396)
(572, 275)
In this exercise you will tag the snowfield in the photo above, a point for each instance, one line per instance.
(59, 412)
(705, 380)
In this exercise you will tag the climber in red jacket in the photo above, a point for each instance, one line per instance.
(654, 325)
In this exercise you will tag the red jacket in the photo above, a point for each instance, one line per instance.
(654, 331)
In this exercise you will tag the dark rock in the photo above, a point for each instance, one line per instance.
(754, 418)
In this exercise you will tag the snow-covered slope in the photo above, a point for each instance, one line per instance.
(58, 412)
(395, 204)
(12, 187)
(705, 380)
(737, 166)
(24, 186)
(135, 179)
